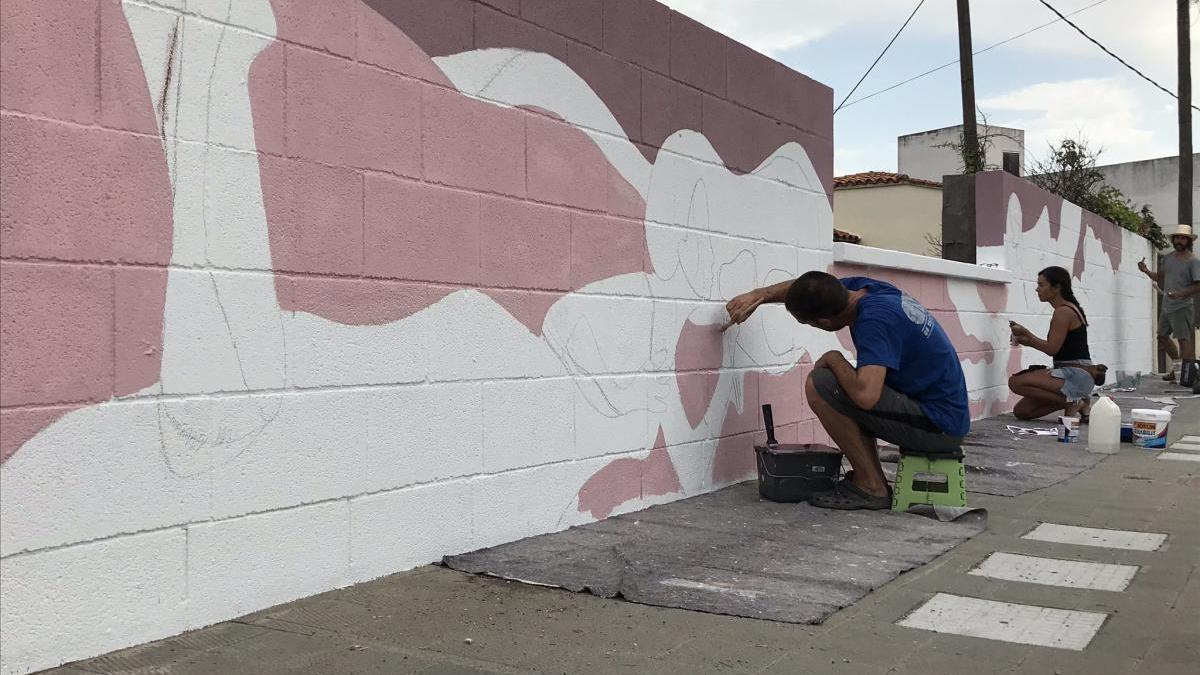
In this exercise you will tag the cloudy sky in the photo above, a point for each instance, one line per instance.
(1053, 83)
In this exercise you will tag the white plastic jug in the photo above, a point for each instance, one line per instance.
(1104, 431)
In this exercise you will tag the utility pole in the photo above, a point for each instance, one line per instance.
(971, 160)
(1185, 113)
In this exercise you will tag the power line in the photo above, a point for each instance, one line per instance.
(1140, 74)
(951, 63)
(885, 49)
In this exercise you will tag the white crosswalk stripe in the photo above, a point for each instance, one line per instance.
(1006, 621)
(1045, 626)
(1180, 456)
(1055, 572)
(1092, 536)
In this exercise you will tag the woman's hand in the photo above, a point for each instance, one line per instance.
(741, 307)
(1020, 334)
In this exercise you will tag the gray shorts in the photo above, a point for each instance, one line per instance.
(896, 418)
(1178, 322)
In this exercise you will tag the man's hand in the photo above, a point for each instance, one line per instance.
(1142, 266)
(741, 307)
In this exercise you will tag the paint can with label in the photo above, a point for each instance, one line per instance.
(1068, 429)
(1150, 427)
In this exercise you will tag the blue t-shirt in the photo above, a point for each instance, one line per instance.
(895, 330)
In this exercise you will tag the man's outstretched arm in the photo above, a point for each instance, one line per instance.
(742, 306)
(1156, 277)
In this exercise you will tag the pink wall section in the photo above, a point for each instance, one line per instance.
(385, 189)
(85, 214)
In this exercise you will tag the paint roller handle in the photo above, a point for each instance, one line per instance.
(769, 423)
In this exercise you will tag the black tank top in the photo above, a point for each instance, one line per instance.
(1075, 344)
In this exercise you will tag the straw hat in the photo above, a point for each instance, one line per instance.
(1183, 231)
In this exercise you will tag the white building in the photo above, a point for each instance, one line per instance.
(1154, 182)
(929, 155)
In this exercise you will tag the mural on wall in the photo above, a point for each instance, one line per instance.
(271, 254)
(399, 239)
(1024, 229)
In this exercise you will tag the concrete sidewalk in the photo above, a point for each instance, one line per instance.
(433, 620)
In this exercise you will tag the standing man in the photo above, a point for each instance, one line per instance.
(908, 387)
(1179, 280)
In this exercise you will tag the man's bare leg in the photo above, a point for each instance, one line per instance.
(1167, 346)
(859, 448)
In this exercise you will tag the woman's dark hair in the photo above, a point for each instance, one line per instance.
(816, 295)
(1061, 279)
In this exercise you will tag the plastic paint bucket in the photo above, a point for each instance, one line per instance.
(1150, 427)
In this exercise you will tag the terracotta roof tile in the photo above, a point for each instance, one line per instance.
(881, 178)
(846, 237)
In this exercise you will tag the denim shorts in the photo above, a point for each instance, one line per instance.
(1077, 382)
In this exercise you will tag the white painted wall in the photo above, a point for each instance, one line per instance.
(1154, 182)
(925, 155)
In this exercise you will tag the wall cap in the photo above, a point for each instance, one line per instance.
(877, 257)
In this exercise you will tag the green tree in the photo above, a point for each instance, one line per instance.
(1069, 171)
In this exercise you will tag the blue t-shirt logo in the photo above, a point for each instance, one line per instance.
(895, 331)
(917, 313)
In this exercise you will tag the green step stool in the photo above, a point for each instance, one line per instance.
(919, 479)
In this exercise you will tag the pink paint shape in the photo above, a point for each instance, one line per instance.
(734, 459)
(356, 302)
(389, 227)
(18, 425)
(76, 333)
(785, 393)
(625, 479)
(698, 355)
(994, 296)
(528, 307)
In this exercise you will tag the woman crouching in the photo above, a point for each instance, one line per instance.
(1068, 385)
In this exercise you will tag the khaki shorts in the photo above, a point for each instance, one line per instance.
(1180, 323)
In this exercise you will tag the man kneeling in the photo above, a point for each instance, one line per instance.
(908, 388)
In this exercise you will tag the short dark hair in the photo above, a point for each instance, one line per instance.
(816, 295)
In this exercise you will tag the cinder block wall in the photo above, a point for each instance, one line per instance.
(299, 294)
(1025, 229)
